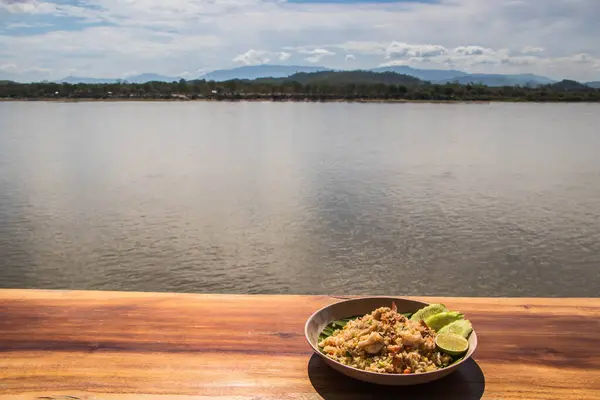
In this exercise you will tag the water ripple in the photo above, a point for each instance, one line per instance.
(454, 200)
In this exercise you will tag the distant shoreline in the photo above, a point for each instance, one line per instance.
(229, 100)
(317, 87)
(269, 100)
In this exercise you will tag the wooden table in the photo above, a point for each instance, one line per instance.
(68, 345)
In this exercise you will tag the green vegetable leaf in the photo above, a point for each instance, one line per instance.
(457, 360)
(334, 326)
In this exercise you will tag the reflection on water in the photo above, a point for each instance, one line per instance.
(463, 200)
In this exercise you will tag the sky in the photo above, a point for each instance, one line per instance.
(52, 39)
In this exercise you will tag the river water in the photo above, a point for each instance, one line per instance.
(394, 199)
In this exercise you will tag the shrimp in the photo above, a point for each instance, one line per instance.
(411, 339)
(372, 344)
(429, 344)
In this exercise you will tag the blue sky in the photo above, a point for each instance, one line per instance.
(50, 39)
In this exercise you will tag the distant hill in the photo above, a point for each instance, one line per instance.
(79, 79)
(246, 72)
(595, 84)
(251, 72)
(349, 77)
(568, 85)
(315, 86)
(496, 80)
(149, 77)
(142, 78)
(9, 77)
(423, 74)
(259, 71)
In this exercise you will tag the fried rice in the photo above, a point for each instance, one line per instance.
(386, 341)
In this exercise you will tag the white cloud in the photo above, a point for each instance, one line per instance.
(350, 57)
(170, 36)
(253, 57)
(283, 56)
(405, 50)
(532, 50)
(316, 52)
(316, 55)
(394, 63)
(94, 51)
(28, 7)
(11, 68)
(315, 59)
(37, 70)
(257, 57)
(36, 7)
(98, 41)
(375, 48)
(582, 58)
(522, 60)
(473, 51)
(24, 25)
(474, 56)
(16, 73)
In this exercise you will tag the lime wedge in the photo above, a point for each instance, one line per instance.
(438, 321)
(461, 327)
(451, 344)
(428, 311)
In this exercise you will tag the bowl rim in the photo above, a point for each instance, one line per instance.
(380, 374)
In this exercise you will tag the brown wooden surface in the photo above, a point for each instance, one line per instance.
(110, 345)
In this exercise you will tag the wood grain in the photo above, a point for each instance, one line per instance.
(67, 345)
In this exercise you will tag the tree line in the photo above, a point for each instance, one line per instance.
(303, 88)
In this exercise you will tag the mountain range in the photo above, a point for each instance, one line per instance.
(500, 80)
(442, 76)
(568, 85)
(336, 78)
(595, 84)
(259, 71)
(79, 79)
(431, 75)
(245, 72)
(252, 72)
(142, 78)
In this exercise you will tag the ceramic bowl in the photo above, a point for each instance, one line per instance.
(365, 305)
